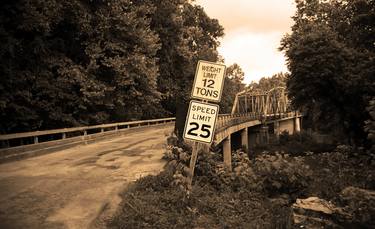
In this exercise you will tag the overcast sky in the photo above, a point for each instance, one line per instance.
(253, 30)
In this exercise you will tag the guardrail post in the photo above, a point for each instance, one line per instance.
(84, 134)
(116, 128)
(63, 135)
(36, 140)
(102, 130)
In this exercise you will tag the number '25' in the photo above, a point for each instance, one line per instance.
(204, 128)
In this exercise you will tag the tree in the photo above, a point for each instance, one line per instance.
(80, 62)
(267, 83)
(41, 72)
(187, 35)
(232, 85)
(122, 54)
(69, 63)
(330, 70)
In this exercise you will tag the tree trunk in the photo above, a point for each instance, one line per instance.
(182, 106)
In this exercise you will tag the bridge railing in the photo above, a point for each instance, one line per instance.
(64, 133)
(228, 120)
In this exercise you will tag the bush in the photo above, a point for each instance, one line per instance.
(303, 137)
(154, 202)
(178, 154)
(297, 144)
(210, 169)
(359, 207)
(243, 175)
(300, 143)
(275, 174)
(282, 174)
(345, 166)
(220, 198)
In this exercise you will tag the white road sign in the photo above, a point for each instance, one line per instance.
(208, 82)
(201, 121)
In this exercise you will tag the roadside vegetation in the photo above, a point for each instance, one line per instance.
(298, 144)
(330, 55)
(257, 193)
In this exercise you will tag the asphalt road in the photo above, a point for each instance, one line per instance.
(78, 187)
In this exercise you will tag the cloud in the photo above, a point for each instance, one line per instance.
(253, 30)
(256, 53)
(252, 15)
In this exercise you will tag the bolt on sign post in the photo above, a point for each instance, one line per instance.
(201, 118)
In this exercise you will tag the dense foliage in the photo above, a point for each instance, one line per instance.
(267, 83)
(220, 199)
(330, 56)
(75, 62)
(81, 62)
(232, 85)
(256, 192)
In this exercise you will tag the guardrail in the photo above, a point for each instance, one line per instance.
(228, 120)
(65, 133)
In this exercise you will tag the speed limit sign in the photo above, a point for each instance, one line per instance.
(200, 122)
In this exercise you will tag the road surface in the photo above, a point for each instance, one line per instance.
(78, 187)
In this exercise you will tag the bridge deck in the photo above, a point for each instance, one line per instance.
(70, 188)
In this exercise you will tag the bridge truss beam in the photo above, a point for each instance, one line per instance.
(272, 102)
